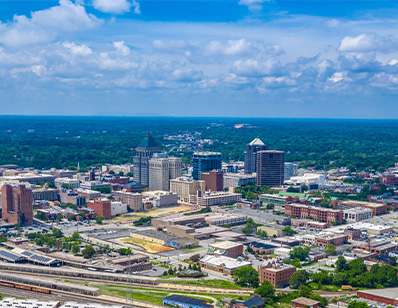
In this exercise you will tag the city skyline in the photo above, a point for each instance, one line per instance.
(243, 58)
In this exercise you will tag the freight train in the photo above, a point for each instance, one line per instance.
(24, 287)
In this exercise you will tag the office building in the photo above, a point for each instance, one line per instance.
(144, 152)
(251, 155)
(70, 183)
(175, 166)
(238, 180)
(315, 213)
(277, 273)
(290, 170)
(186, 187)
(133, 200)
(17, 205)
(213, 180)
(357, 214)
(159, 172)
(205, 162)
(270, 168)
(216, 198)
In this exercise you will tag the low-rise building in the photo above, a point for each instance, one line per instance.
(118, 208)
(238, 180)
(94, 184)
(69, 196)
(226, 248)
(72, 183)
(279, 200)
(88, 193)
(133, 200)
(271, 231)
(277, 273)
(216, 198)
(222, 264)
(303, 302)
(377, 208)
(335, 239)
(181, 301)
(49, 194)
(101, 206)
(160, 198)
(313, 212)
(262, 247)
(357, 214)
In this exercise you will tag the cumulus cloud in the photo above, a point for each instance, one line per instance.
(256, 68)
(121, 48)
(170, 44)
(116, 6)
(46, 25)
(228, 48)
(366, 43)
(82, 50)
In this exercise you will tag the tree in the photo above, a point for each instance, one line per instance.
(41, 215)
(99, 219)
(75, 248)
(75, 236)
(72, 217)
(65, 186)
(341, 264)
(124, 251)
(246, 276)
(262, 233)
(299, 278)
(304, 188)
(111, 172)
(247, 230)
(356, 304)
(266, 291)
(288, 231)
(340, 279)
(57, 233)
(331, 249)
(292, 189)
(300, 253)
(88, 252)
(59, 217)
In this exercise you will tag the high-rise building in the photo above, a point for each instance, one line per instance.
(290, 170)
(159, 172)
(186, 187)
(17, 205)
(270, 168)
(251, 155)
(205, 162)
(175, 166)
(144, 152)
(214, 180)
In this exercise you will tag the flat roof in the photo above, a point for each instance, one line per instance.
(227, 262)
(187, 300)
(224, 245)
(388, 292)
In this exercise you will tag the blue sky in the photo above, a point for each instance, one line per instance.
(248, 58)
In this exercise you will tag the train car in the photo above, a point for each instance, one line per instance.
(7, 284)
(41, 290)
(20, 286)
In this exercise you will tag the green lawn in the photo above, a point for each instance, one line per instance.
(212, 283)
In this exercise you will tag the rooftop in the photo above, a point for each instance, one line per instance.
(148, 142)
(305, 301)
(226, 262)
(225, 244)
(256, 141)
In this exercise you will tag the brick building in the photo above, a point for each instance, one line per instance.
(278, 274)
(17, 205)
(303, 302)
(222, 264)
(101, 207)
(226, 248)
(336, 240)
(315, 213)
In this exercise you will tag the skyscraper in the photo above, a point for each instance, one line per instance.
(144, 152)
(175, 166)
(270, 168)
(159, 172)
(205, 162)
(290, 170)
(251, 155)
(17, 205)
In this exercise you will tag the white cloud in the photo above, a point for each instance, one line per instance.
(122, 48)
(170, 44)
(365, 43)
(75, 50)
(46, 25)
(337, 77)
(229, 48)
(256, 68)
(116, 6)
(253, 4)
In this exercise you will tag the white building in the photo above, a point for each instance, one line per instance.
(133, 200)
(186, 187)
(159, 172)
(118, 208)
(94, 184)
(73, 183)
(308, 179)
(160, 198)
(175, 167)
(290, 170)
(11, 302)
(215, 198)
(127, 168)
(357, 214)
(238, 180)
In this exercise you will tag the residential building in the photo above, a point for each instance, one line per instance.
(238, 180)
(357, 214)
(213, 180)
(276, 273)
(101, 207)
(133, 200)
(159, 172)
(270, 168)
(185, 187)
(144, 152)
(315, 213)
(222, 264)
(290, 169)
(205, 162)
(216, 198)
(251, 155)
(17, 205)
(226, 248)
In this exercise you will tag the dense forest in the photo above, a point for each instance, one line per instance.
(44, 142)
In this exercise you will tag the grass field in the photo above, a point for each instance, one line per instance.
(212, 283)
(148, 246)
